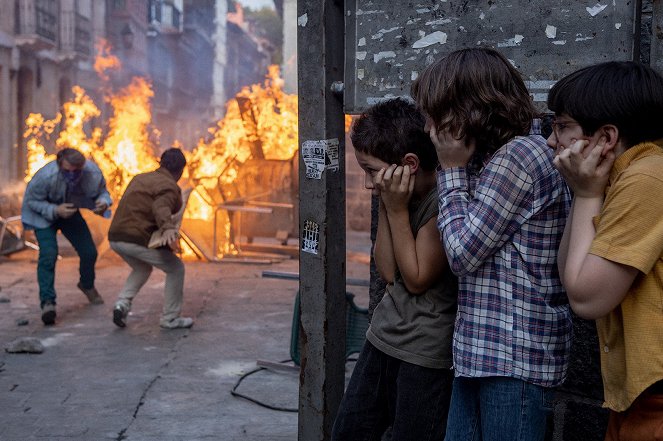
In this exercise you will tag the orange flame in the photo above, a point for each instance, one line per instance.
(260, 115)
(104, 60)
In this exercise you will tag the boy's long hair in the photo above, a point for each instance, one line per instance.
(476, 93)
(390, 129)
(626, 94)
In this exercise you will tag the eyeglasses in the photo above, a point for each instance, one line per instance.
(558, 126)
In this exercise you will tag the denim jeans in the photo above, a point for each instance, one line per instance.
(75, 229)
(141, 260)
(385, 391)
(498, 409)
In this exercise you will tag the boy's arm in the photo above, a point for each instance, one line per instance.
(474, 227)
(421, 260)
(594, 285)
(384, 249)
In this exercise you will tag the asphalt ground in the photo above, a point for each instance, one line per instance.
(95, 381)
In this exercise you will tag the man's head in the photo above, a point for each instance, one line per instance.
(475, 94)
(392, 132)
(174, 161)
(621, 101)
(70, 162)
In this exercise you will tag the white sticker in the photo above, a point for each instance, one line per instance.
(319, 155)
(313, 153)
(311, 237)
(332, 154)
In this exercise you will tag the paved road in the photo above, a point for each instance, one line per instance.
(95, 381)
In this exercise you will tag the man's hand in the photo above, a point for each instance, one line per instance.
(66, 210)
(100, 208)
(584, 167)
(396, 185)
(451, 152)
(171, 238)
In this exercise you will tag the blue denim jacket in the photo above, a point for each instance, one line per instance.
(47, 189)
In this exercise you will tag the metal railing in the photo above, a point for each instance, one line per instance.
(37, 17)
(164, 15)
(82, 35)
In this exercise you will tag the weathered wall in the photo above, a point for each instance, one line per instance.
(389, 42)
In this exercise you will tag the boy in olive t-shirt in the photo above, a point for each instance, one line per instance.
(403, 375)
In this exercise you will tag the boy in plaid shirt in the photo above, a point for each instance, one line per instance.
(503, 208)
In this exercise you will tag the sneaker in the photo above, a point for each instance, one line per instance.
(120, 317)
(48, 314)
(179, 322)
(92, 294)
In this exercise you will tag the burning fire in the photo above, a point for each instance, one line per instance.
(260, 115)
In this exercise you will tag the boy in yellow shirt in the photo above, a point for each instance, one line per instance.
(608, 136)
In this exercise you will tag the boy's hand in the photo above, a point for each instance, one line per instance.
(585, 168)
(396, 185)
(451, 152)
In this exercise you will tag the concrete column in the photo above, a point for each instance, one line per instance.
(321, 216)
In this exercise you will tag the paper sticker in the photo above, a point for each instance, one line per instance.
(332, 154)
(313, 153)
(311, 237)
(319, 155)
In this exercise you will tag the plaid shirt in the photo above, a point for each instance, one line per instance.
(501, 232)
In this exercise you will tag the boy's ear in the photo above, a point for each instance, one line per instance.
(610, 133)
(412, 160)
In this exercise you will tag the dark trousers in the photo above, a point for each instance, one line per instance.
(75, 229)
(385, 391)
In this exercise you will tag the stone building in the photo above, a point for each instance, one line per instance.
(48, 46)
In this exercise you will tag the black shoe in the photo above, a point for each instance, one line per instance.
(119, 317)
(92, 295)
(48, 314)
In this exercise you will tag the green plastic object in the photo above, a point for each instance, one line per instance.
(356, 325)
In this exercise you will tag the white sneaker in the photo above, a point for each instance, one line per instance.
(179, 322)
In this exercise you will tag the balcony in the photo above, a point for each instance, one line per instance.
(83, 35)
(36, 24)
(75, 35)
(164, 17)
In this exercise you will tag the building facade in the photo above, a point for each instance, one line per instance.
(193, 58)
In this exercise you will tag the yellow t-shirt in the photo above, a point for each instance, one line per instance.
(629, 230)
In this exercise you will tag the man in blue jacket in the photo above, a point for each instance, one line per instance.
(51, 203)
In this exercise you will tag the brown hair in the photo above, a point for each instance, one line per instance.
(72, 156)
(476, 93)
(391, 129)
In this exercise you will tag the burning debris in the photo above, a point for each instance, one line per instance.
(258, 133)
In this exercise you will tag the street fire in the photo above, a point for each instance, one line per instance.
(260, 124)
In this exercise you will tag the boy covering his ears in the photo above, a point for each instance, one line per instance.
(608, 138)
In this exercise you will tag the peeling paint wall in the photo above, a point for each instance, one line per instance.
(389, 42)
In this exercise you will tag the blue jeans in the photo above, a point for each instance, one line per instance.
(75, 229)
(498, 409)
(385, 391)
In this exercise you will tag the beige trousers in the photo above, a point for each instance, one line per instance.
(141, 260)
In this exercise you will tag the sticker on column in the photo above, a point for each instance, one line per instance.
(332, 154)
(313, 153)
(311, 237)
(320, 155)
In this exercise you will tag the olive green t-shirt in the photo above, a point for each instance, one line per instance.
(417, 329)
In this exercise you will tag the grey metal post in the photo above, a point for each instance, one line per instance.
(320, 42)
